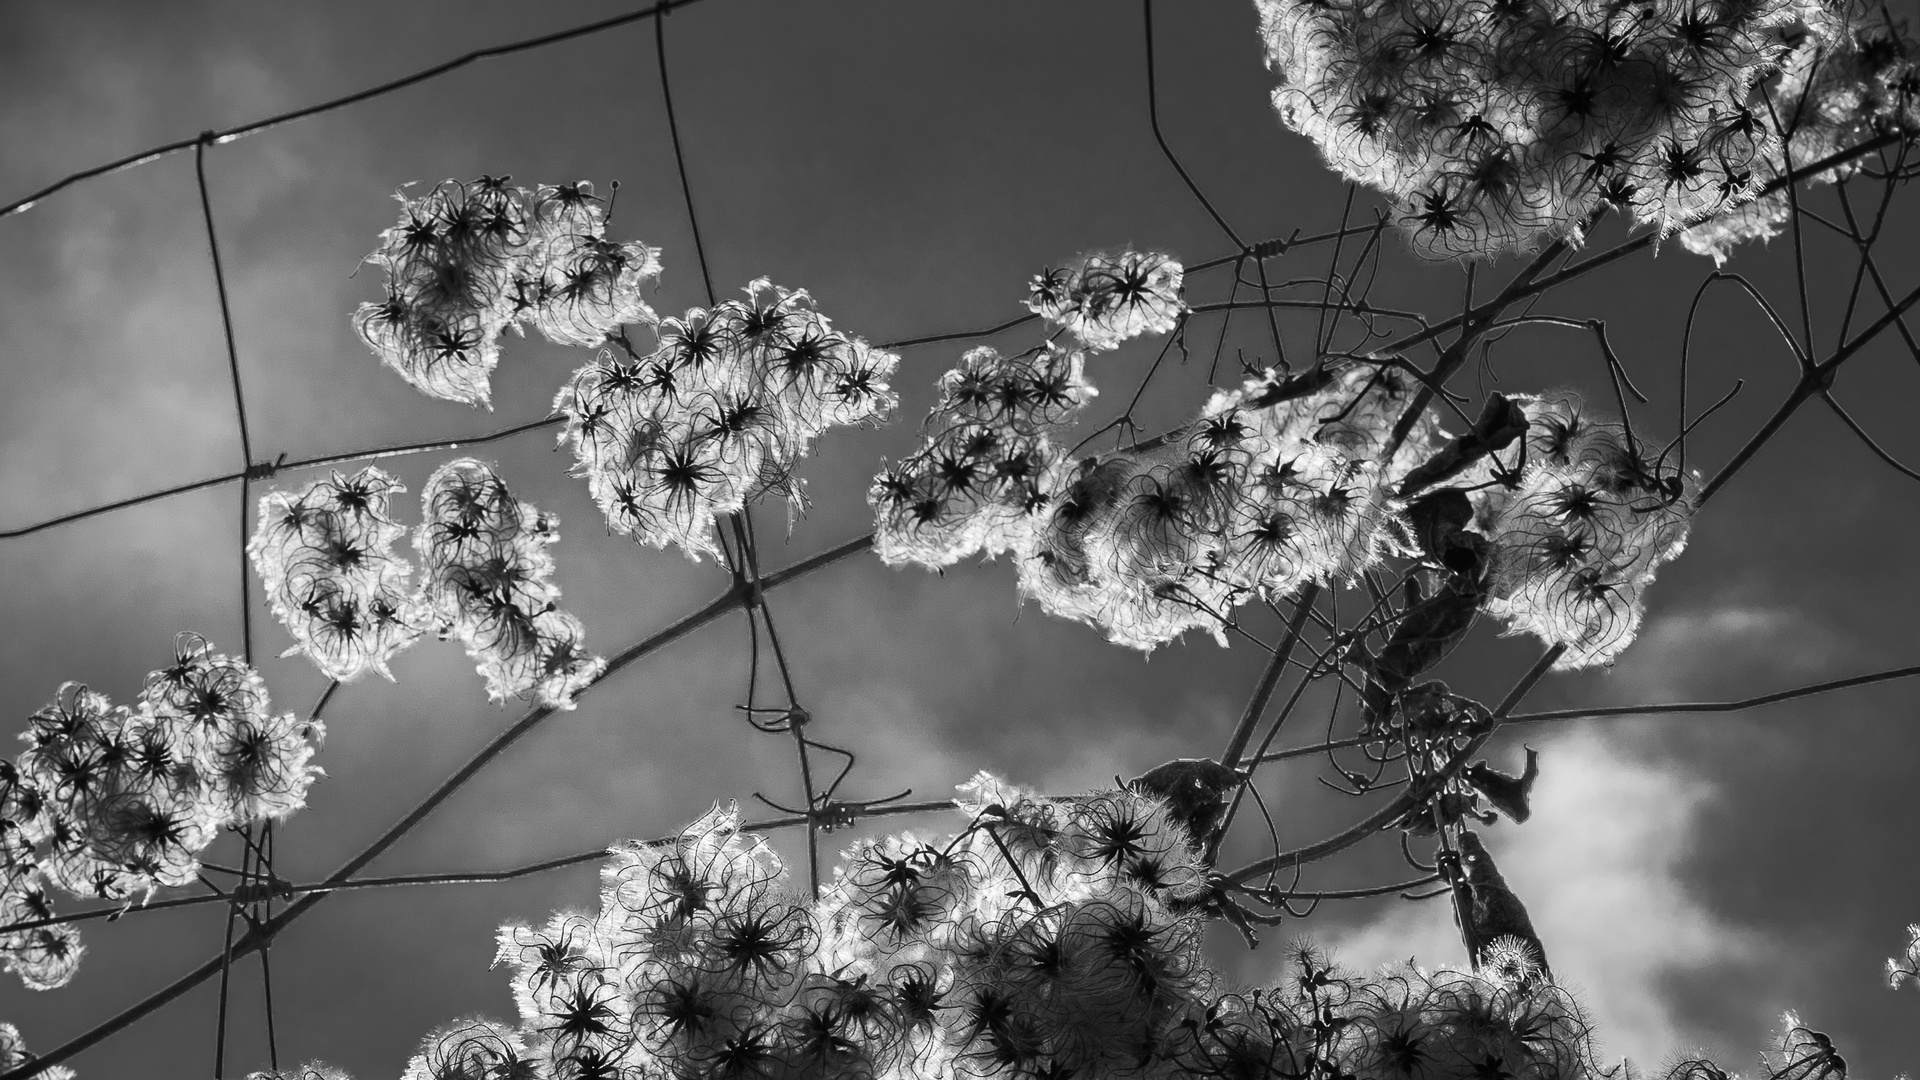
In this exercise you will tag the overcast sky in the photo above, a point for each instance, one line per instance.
(911, 164)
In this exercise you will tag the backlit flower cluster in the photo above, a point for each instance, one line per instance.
(1274, 485)
(719, 414)
(111, 801)
(1579, 519)
(1052, 937)
(468, 260)
(1147, 544)
(1108, 299)
(1501, 124)
(989, 466)
(325, 554)
(1849, 77)
(486, 582)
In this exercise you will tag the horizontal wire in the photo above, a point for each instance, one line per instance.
(1646, 709)
(259, 937)
(269, 469)
(469, 877)
(1406, 800)
(1587, 266)
(961, 335)
(256, 126)
(1658, 708)
(1348, 894)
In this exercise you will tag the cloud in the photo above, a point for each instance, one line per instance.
(1680, 654)
(1599, 868)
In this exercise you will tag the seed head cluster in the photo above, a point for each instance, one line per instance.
(112, 801)
(486, 581)
(1579, 521)
(1263, 492)
(1109, 298)
(325, 555)
(989, 465)
(468, 260)
(1283, 481)
(1849, 76)
(1504, 123)
(1052, 937)
(719, 414)
(1274, 484)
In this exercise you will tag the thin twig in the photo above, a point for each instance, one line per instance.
(1407, 799)
(1269, 678)
(1817, 379)
(1669, 707)
(960, 335)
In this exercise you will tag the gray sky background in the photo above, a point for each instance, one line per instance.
(911, 164)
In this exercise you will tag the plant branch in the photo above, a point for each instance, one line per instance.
(258, 937)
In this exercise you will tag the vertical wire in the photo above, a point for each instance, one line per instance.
(748, 559)
(679, 160)
(1226, 320)
(265, 916)
(246, 606)
(1321, 340)
(226, 960)
(796, 716)
(239, 398)
(1273, 317)
(1153, 119)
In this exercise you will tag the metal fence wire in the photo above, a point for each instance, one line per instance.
(259, 904)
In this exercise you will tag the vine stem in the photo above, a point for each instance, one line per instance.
(1407, 799)
(1816, 380)
(1270, 678)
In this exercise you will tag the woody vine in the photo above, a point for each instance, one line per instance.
(1043, 934)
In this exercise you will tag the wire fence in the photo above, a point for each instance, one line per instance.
(259, 904)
